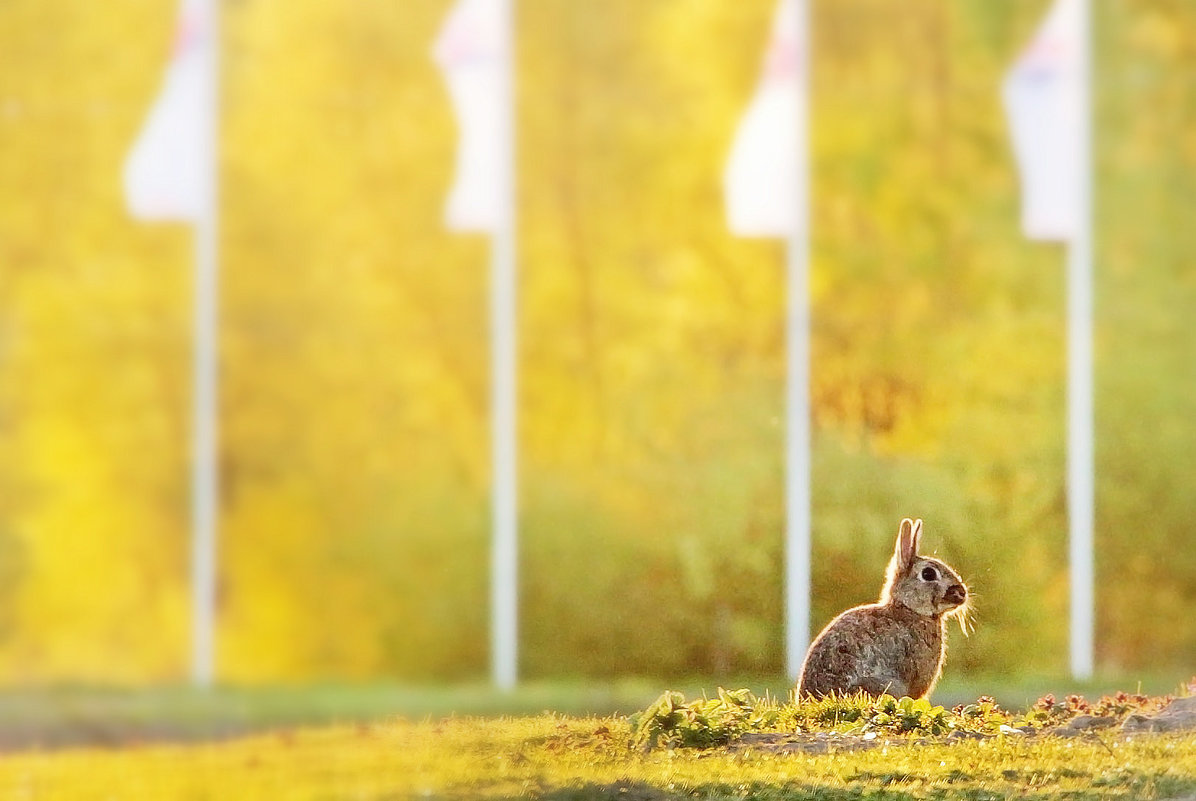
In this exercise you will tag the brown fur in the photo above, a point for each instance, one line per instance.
(896, 645)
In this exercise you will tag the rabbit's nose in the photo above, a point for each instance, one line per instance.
(956, 594)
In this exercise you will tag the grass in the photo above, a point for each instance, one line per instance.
(730, 716)
(64, 716)
(376, 754)
(558, 757)
(471, 742)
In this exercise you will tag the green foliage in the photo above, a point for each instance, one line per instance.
(672, 722)
(555, 757)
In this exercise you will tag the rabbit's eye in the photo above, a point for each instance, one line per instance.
(929, 574)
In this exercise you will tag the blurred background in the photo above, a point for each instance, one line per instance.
(354, 450)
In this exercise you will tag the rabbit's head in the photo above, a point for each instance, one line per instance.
(920, 583)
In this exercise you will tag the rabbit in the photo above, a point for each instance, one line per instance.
(897, 645)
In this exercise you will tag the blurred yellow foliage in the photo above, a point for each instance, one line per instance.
(354, 422)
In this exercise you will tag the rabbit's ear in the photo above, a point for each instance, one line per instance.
(917, 532)
(906, 549)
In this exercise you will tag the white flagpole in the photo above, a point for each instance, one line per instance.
(204, 500)
(504, 578)
(1080, 470)
(797, 419)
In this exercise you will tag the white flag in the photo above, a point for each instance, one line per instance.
(166, 175)
(1042, 99)
(470, 50)
(760, 180)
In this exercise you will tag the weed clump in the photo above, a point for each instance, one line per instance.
(673, 722)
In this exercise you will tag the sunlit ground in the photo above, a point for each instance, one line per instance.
(53, 717)
(578, 758)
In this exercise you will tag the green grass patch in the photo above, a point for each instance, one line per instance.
(64, 716)
(710, 747)
(557, 757)
(674, 722)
